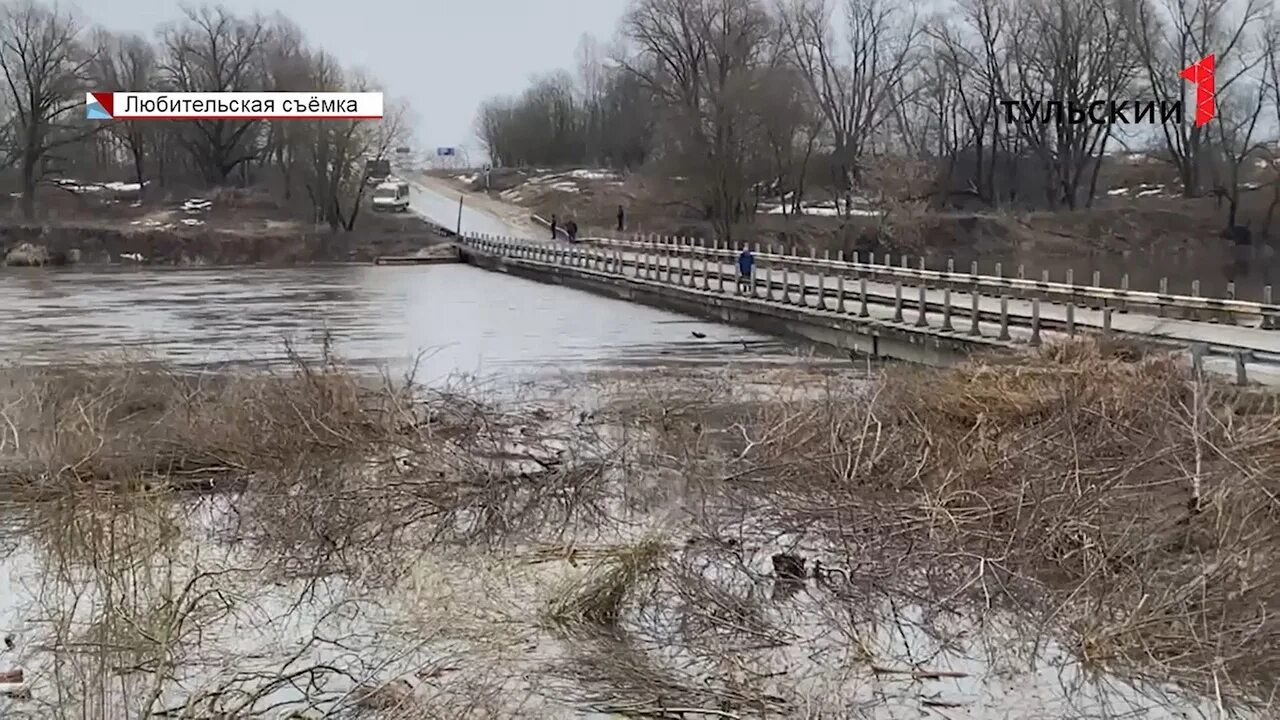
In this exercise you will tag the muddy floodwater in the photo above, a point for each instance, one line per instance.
(457, 319)
(594, 558)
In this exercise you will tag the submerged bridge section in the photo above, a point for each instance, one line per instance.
(913, 313)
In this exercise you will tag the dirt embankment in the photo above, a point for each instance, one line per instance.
(106, 244)
(218, 227)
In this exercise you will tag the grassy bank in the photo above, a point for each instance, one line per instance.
(785, 544)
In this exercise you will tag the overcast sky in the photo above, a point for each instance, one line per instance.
(443, 56)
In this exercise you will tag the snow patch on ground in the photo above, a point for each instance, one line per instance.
(586, 174)
(1142, 191)
(79, 188)
(857, 207)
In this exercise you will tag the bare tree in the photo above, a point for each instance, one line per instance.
(1237, 123)
(975, 52)
(1173, 34)
(335, 150)
(702, 60)
(857, 89)
(791, 126)
(1072, 52)
(286, 69)
(1271, 87)
(128, 62)
(212, 50)
(46, 71)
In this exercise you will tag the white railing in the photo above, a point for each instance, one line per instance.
(1121, 298)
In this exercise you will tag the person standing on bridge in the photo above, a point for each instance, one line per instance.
(571, 229)
(621, 216)
(746, 264)
(553, 226)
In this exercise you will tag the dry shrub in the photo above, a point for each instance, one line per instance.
(328, 467)
(128, 422)
(1135, 504)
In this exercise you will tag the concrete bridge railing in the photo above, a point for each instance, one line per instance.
(1264, 313)
(978, 316)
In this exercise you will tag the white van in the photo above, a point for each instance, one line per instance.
(391, 196)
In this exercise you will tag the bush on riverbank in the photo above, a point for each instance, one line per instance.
(1105, 498)
(1137, 506)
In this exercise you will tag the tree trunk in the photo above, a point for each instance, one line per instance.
(29, 185)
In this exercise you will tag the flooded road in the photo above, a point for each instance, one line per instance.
(461, 319)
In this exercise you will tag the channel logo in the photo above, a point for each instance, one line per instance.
(97, 105)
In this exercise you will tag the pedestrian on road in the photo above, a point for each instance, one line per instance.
(571, 228)
(621, 216)
(746, 264)
(553, 227)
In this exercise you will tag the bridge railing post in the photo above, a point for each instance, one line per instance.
(975, 313)
(897, 301)
(768, 282)
(786, 286)
(1004, 318)
(922, 318)
(1071, 318)
(1035, 322)
(1242, 357)
(946, 309)
(863, 311)
(840, 293)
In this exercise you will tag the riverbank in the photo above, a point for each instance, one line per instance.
(282, 243)
(735, 542)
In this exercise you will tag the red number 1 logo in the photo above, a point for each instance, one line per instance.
(1201, 74)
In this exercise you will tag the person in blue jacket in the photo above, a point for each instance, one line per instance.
(746, 264)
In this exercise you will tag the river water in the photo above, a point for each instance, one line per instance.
(458, 319)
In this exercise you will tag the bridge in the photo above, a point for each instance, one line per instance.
(903, 310)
